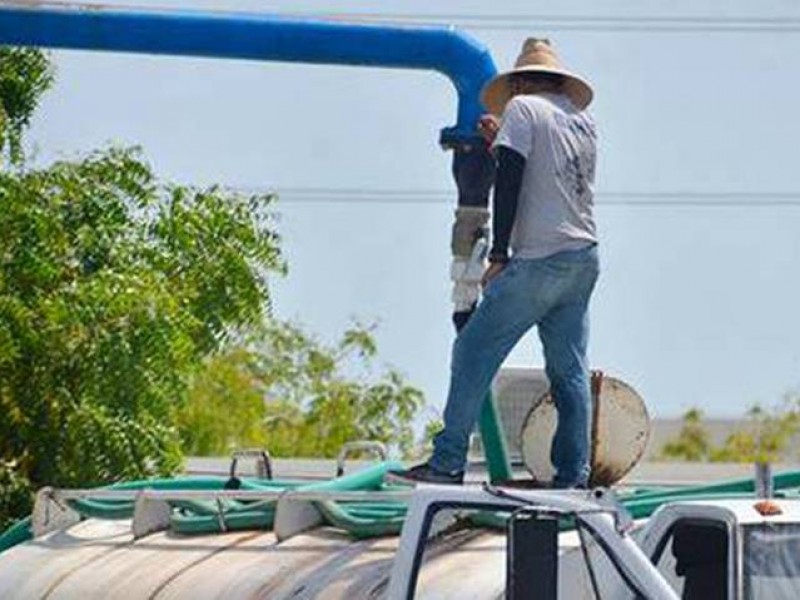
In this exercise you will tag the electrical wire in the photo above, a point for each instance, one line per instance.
(635, 199)
(512, 22)
(593, 23)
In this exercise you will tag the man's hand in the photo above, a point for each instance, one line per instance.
(492, 271)
(488, 126)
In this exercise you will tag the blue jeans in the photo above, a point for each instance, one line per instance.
(552, 293)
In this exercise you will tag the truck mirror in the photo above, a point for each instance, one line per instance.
(532, 556)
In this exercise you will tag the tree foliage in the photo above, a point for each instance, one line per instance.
(112, 290)
(764, 435)
(117, 293)
(288, 392)
(25, 74)
(135, 324)
(692, 442)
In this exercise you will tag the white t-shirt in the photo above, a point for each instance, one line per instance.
(554, 212)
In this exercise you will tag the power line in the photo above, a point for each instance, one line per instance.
(524, 22)
(635, 199)
(399, 201)
(595, 23)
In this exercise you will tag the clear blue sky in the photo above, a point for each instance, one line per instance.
(697, 305)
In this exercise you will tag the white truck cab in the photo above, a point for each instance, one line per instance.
(746, 549)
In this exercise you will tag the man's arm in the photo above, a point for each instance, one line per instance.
(508, 182)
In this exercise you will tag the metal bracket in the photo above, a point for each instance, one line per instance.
(223, 526)
(149, 515)
(374, 447)
(50, 514)
(263, 462)
(294, 516)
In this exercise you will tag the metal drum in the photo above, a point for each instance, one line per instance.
(621, 428)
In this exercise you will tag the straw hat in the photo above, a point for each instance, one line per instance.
(537, 56)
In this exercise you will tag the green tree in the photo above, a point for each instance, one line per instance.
(224, 408)
(764, 437)
(112, 290)
(298, 397)
(134, 322)
(692, 442)
(25, 75)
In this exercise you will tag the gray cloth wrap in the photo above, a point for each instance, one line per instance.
(470, 224)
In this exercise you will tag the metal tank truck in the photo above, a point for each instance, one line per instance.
(354, 536)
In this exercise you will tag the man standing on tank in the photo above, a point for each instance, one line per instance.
(545, 148)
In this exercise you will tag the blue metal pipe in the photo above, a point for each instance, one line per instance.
(463, 59)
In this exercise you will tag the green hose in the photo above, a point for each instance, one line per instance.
(207, 518)
(262, 517)
(361, 519)
(781, 481)
(102, 509)
(359, 524)
(16, 534)
(642, 503)
(123, 509)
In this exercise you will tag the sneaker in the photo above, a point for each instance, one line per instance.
(425, 473)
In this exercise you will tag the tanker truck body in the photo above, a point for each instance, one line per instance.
(476, 541)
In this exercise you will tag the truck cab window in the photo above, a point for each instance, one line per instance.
(771, 561)
(694, 559)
